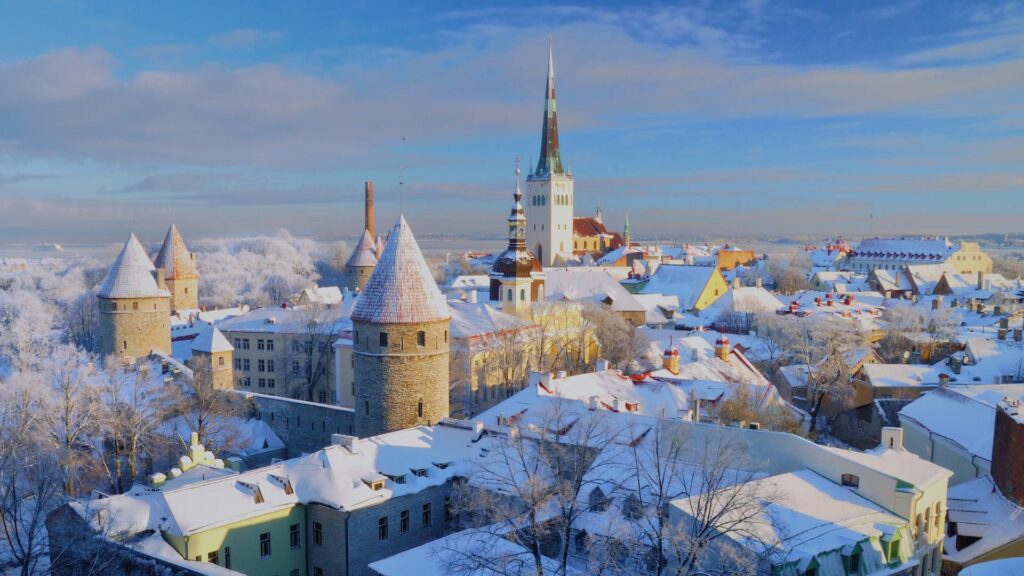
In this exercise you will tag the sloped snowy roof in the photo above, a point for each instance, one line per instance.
(995, 568)
(211, 340)
(904, 248)
(175, 258)
(981, 511)
(686, 282)
(471, 319)
(131, 276)
(594, 284)
(364, 256)
(750, 299)
(401, 288)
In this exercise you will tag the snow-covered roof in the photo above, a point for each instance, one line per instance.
(131, 276)
(290, 320)
(436, 558)
(365, 254)
(995, 568)
(965, 415)
(980, 510)
(682, 281)
(896, 462)
(594, 284)
(401, 288)
(903, 375)
(475, 319)
(746, 299)
(211, 340)
(825, 516)
(905, 248)
(329, 295)
(175, 258)
(469, 282)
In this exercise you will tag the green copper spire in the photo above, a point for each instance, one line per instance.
(550, 160)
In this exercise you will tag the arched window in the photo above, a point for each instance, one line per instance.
(522, 294)
(509, 297)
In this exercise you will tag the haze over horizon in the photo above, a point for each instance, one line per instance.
(740, 119)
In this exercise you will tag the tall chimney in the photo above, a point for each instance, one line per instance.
(369, 208)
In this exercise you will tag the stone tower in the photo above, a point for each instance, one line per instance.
(516, 279)
(211, 360)
(400, 342)
(360, 264)
(549, 207)
(180, 272)
(135, 306)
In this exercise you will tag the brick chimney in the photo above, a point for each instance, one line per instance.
(1008, 450)
(670, 359)
(722, 347)
(368, 200)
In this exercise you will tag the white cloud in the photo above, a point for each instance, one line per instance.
(245, 38)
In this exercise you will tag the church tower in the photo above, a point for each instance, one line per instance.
(516, 277)
(549, 206)
(180, 273)
(400, 337)
(135, 306)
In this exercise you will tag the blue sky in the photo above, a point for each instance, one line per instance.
(721, 119)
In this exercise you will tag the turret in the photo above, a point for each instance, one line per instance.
(135, 312)
(180, 274)
(211, 360)
(516, 277)
(400, 332)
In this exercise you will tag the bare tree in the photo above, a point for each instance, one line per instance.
(714, 474)
(312, 348)
(826, 346)
(211, 413)
(79, 321)
(30, 481)
(26, 329)
(619, 341)
(777, 333)
(131, 412)
(530, 487)
(73, 414)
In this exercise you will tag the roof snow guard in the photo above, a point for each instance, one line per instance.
(131, 276)
(401, 289)
(175, 258)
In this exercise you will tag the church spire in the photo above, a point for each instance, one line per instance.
(517, 219)
(550, 160)
(625, 232)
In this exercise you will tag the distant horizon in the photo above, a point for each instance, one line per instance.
(745, 120)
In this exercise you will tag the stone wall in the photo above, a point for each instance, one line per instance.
(133, 327)
(355, 277)
(403, 383)
(184, 293)
(304, 427)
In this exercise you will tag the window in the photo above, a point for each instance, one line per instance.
(238, 363)
(220, 361)
(245, 364)
(383, 338)
(421, 338)
(419, 409)
(261, 365)
(246, 381)
(322, 396)
(295, 346)
(238, 343)
(227, 557)
(382, 528)
(366, 406)
(262, 382)
(135, 305)
(293, 536)
(270, 365)
(259, 344)
(295, 367)
(426, 514)
(851, 480)
(403, 522)
(318, 534)
(213, 557)
(509, 297)
(522, 294)
(265, 545)
(113, 306)
(245, 343)
(270, 345)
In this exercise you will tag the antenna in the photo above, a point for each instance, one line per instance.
(401, 182)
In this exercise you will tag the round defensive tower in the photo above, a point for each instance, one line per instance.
(135, 310)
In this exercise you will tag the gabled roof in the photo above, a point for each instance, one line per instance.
(364, 256)
(401, 288)
(686, 282)
(175, 258)
(131, 276)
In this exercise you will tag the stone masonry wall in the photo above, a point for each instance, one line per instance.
(184, 293)
(391, 381)
(304, 427)
(1008, 456)
(133, 327)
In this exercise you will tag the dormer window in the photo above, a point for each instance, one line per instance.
(375, 483)
(396, 478)
(420, 472)
(851, 480)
